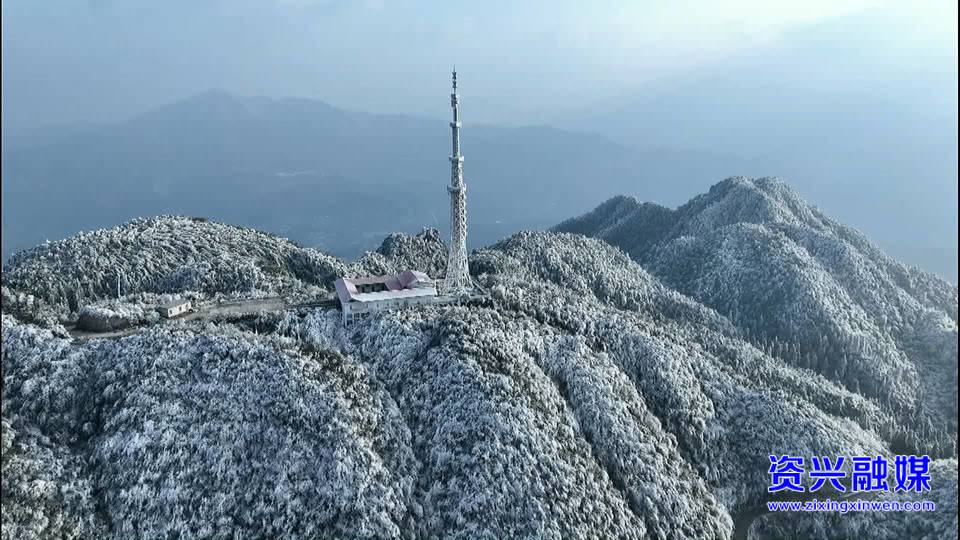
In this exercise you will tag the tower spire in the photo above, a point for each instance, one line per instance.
(458, 273)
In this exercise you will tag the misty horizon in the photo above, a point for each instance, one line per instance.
(673, 200)
(852, 103)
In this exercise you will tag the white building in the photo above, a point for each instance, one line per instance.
(175, 308)
(359, 297)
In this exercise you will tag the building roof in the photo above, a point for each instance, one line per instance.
(406, 284)
(174, 303)
(409, 278)
(402, 293)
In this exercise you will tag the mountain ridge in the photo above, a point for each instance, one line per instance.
(754, 245)
(583, 394)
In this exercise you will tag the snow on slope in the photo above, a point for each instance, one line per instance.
(167, 254)
(583, 397)
(804, 288)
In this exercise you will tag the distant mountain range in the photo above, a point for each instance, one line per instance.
(320, 175)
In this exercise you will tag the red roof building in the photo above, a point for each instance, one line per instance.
(359, 297)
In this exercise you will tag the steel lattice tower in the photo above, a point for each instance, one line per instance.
(458, 273)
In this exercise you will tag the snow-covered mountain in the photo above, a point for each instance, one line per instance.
(588, 394)
(811, 290)
(168, 254)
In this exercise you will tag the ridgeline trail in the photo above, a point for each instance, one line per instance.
(209, 311)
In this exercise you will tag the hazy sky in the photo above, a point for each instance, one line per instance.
(852, 101)
(70, 61)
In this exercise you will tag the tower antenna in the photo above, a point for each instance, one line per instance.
(457, 280)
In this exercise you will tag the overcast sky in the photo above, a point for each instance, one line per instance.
(68, 61)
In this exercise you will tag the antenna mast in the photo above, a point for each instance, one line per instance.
(458, 273)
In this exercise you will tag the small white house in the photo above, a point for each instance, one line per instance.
(174, 309)
(359, 297)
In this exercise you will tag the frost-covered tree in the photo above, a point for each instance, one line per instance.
(589, 392)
